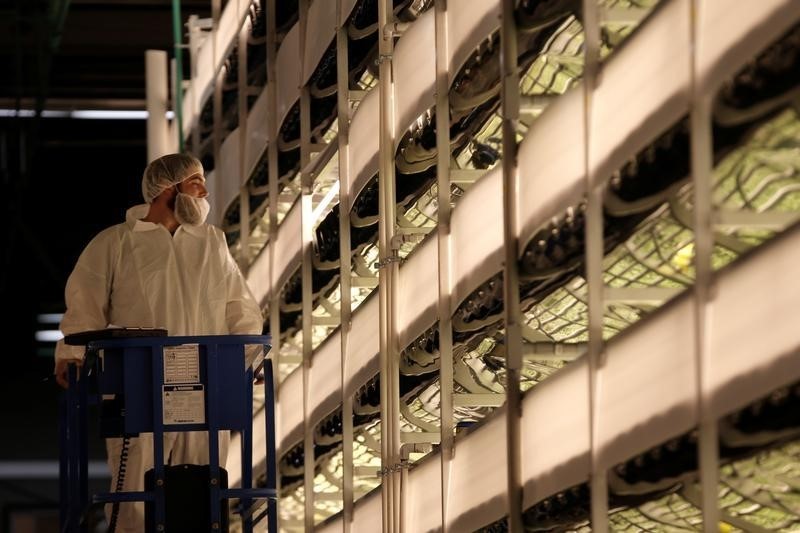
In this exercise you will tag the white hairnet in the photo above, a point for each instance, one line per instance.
(166, 171)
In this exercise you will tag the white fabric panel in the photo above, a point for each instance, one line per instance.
(289, 411)
(731, 30)
(477, 241)
(363, 521)
(551, 164)
(257, 134)
(362, 365)
(428, 481)
(754, 313)
(364, 142)
(555, 451)
(228, 169)
(258, 276)
(287, 246)
(227, 34)
(414, 68)
(666, 387)
(481, 464)
(320, 32)
(415, 78)
(646, 394)
(650, 81)
(647, 391)
(287, 67)
(418, 291)
(468, 23)
(347, 9)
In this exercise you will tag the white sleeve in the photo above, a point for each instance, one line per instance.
(87, 293)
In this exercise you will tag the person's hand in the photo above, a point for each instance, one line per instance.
(62, 370)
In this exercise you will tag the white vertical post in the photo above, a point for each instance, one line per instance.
(219, 77)
(272, 169)
(174, 134)
(156, 91)
(598, 482)
(443, 241)
(244, 193)
(389, 351)
(345, 306)
(194, 47)
(510, 114)
(306, 185)
(702, 163)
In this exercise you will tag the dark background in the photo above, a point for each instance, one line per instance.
(63, 180)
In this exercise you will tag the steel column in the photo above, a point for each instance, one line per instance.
(194, 48)
(701, 165)
(156, 91)
(509, 99)
(389, 350)
(345, 305)
(272, 169)
(598, 480)
(217, 99)
(244, 194)
(306, 190)
(446, 438)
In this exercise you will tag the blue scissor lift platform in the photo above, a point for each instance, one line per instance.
(167, 384)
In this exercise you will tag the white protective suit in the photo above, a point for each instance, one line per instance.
(137, 274)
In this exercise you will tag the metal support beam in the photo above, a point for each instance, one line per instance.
(446, 426)
(244, 195)
(389, 349)
(195, 26)
(272, 177)
(306, 231)
(156, 90)
(598, 478)
(702, 154)
(509, 101)
(345, 263)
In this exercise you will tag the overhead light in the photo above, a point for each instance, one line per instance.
(85, 114)
(48, 335)
(109, 114)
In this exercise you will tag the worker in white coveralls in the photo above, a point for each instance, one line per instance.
(164, 267)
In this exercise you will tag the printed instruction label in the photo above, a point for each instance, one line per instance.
(184, 404)
(182, 364)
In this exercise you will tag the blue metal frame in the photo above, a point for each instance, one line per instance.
(220, 415)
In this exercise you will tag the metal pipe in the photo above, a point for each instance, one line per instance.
(306, 190)
(217, 102)
(446, 439)
(156, 89)
(594, 268)
(702, 164)
(345, 306)
(272, 169)
(244, 195)
(389, 353)
(178, 97)
(509, 99)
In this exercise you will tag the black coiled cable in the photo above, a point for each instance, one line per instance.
(123, 459)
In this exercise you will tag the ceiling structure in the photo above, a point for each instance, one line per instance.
(83, 51)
